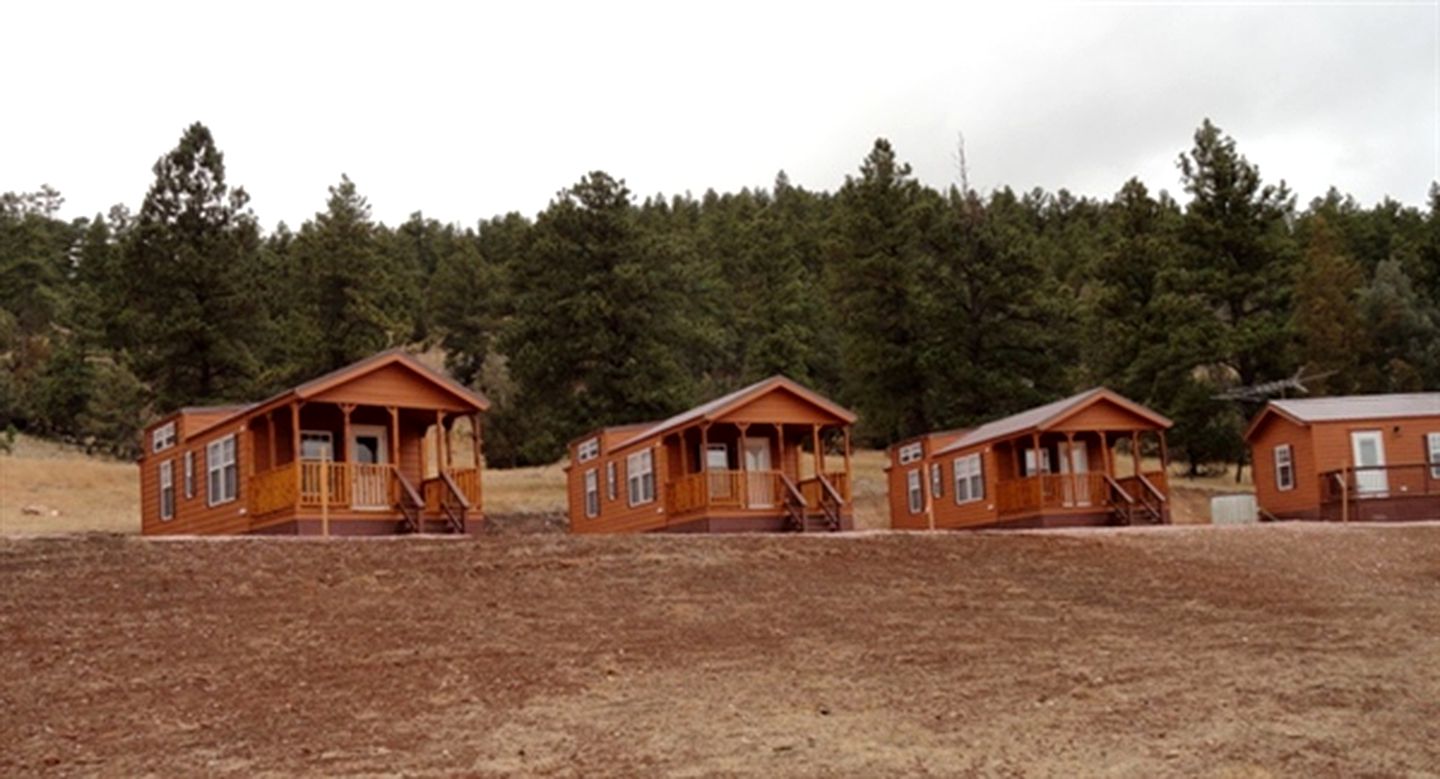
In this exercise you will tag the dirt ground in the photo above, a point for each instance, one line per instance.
(1277, 650)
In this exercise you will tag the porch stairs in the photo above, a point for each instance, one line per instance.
(1147, 508)
(800, 517)
(453, 508)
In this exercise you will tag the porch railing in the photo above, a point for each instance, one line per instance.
(1388, 481)
(1051, 491)
(748, 490)
(466, 480)
(346, 485)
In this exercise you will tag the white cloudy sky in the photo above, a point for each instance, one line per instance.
(467, 111)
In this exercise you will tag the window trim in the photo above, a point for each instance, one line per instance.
(214, 465)
(914, 498)
(162, 437)
(643, 477)
(588, 449)
(592, 493)
(969, 473)
(167, 484)
(1287, 467)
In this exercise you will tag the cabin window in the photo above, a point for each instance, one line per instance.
(909, 453)
(167, 489)
(592, 493)
(163, 437)
(937, 480)
(317, 445)
(640, 471)
(220, 486)
(717, 457)
(969, 479)
(189, 475)
(612, 485)
(912, 489)
(1432, 442)
(1284, 467)
(588, 450)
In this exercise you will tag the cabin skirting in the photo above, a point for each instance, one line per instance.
(1393, 509)
(1040, 521)
(371, 526)
(739, 524)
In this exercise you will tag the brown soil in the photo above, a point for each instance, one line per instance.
(1295, 650)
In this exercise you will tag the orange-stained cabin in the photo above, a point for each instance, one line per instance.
(368, 449)
(1077, 461)
(1349, 458)
(771, 456)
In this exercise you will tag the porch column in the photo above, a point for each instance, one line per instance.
(440, 443)
(270, 435)
(1135, 453)
(849, 476)
(475, 437)
(744, 466)
(1164, 455)
(819, 452)
(780, 445)
(704, 461)
(1105, 454)
(394, 436)
(1070, 466)
(295, 449)
(345, 410)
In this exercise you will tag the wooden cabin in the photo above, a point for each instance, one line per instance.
(772, 456)
(364, 450)
(1090, 459)
(1361, 457)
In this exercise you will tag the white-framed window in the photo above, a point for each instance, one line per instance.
(162, 437)
(912, 490)
(1432, 446)
(189, 475)
(220, 471)
(1284, 467)
(969, 479)
(588, 450)
(167, 490)
(937, 481)
(592, 493)
(612, 484)
(909, 453)
(640, 477)
(317, 445)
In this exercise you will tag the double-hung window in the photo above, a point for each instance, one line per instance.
(1432, 446)
(221, 473)
(640, 476)
(912, 490)
(1284, 467)
(189, 474)
(969, 479)
(163, 437)
(167, 489)
(592, 493)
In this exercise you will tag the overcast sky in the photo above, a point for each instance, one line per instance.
(468, 112)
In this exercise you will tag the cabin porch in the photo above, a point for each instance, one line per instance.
(1079, 475)
(357, 469)
(760, 476)
(1406, 492)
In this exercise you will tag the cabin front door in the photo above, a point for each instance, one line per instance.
(1078, 492)
(370, 472)
(761, 482)
(1369, 450)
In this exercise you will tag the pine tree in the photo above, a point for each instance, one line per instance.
(189, 269)
(1327, 318)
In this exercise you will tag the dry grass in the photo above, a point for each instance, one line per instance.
(75, 492)
(539, 490)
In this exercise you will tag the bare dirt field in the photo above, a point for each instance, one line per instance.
(1289, 650)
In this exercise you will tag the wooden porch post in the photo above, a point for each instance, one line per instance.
(1105, 454)
(1135, 453)
(270, 436)
(1164, 455)
(849, 476)
(475, 438)
(704, 461)
(780, 445)
(441, 462)
(345, 410)
(1070, 466)
(744, 466)
(295, 449)
(819, 452)
(394, 453)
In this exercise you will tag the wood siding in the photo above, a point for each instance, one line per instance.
(393, 385)
(1326, 446)
(948, 513)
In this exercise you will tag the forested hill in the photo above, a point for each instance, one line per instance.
(919, 308)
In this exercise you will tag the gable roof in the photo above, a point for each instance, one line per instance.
(1042, 417)
(1339, 408)
(724, 404)
(340, 376)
